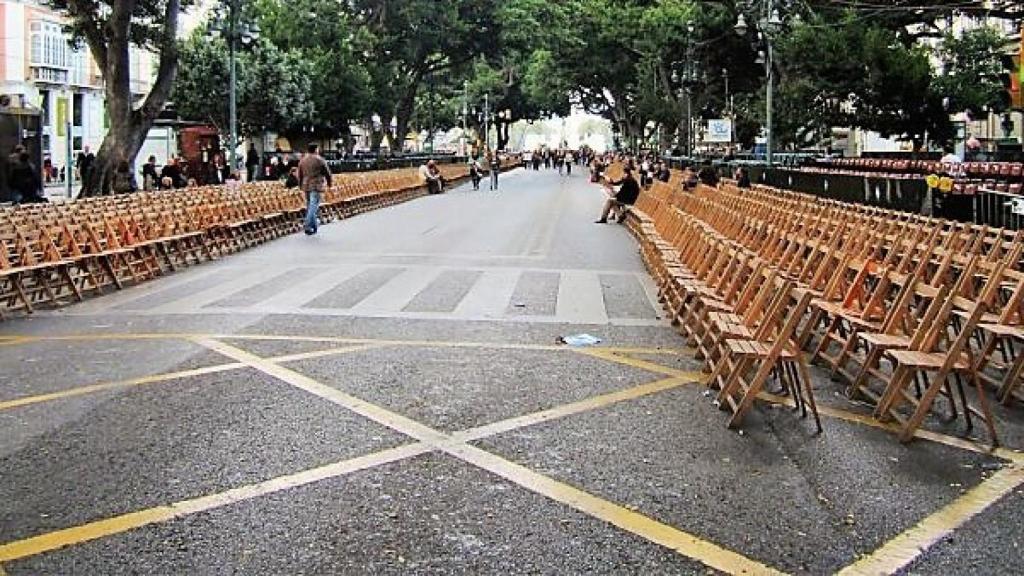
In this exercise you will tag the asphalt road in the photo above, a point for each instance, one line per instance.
(388, 397)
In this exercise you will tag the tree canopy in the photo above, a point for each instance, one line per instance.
(399, 66)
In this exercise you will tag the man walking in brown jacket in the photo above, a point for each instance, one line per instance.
(314, 177)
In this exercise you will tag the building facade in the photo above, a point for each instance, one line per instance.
(39, 66)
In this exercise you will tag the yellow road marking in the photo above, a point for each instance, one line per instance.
(94, 388)
(13, 341)
(336, 340)
(680, 351)
(634, 362)
(908, 546)
(132, 520)
(157, 378)
(570, 409)
(684, 543)
(854, 417)
(380, 415)
(872, 422)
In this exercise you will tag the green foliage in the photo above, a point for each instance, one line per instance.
(970, 70)
(273, 86)
(327, 64)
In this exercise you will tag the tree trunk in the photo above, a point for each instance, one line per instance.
(347, 140)
(404, 109)
(128, 126)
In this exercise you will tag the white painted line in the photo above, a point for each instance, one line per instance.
(580, 299)
(393, 296)
(310, 289)
(490, 295)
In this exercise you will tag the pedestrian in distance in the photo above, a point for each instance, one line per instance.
(495, 166)
(252, 162)
(314, 177)
(292, 181)
(171, 172)
(742, 177)
(149, 176)
(23, 178)
(708, 175)
(476, 172)
(568, 162)
(85, 162)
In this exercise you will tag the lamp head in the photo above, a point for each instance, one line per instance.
(741, 25)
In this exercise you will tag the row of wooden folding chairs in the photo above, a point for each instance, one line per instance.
(738, 311)
(852, 314)
(887, 269)
(63, 252)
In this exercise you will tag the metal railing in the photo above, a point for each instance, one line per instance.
(999, 209)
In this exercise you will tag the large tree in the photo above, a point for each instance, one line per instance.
(110, 28)
(273, 86)
(414, 39)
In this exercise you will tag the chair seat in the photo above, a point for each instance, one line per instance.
(885, 340)
(743, 347)
(1004, 330)
(862, 323)
(831, 308)
(927, 360)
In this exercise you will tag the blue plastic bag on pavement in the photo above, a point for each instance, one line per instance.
(580, 340)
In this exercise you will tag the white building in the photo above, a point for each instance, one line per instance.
(38, 64)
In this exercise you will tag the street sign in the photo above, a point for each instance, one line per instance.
(719, 131)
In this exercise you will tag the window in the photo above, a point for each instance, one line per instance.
(48, 45)
(45, 106)
(76, 110)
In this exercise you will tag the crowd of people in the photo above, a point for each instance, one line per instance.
(561, 159)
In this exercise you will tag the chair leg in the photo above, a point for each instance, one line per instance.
(923, 407)
(986, 410)
(809, 389)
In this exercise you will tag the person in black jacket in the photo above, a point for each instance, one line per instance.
(708, 175)
(629, 191)
(150, 179)
(24, 179)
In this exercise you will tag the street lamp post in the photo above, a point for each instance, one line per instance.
(766, 26)
(686, 82)
(227, 22)
(487, 118)
(465, 118)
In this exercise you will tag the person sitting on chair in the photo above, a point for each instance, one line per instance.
(629, 191)
(431, 177)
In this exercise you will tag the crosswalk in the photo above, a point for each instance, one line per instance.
(397, 291)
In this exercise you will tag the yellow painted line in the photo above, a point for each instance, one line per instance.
(14, 341)
(102, 528)
(94, 388)
(679, 351)
(872, 422)
(867, 420)
(908, 546)
(637, 363)
(170, 376)
(373, 412)
(689, 545)
(682, 542)
(343, 340)
(570, 409)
